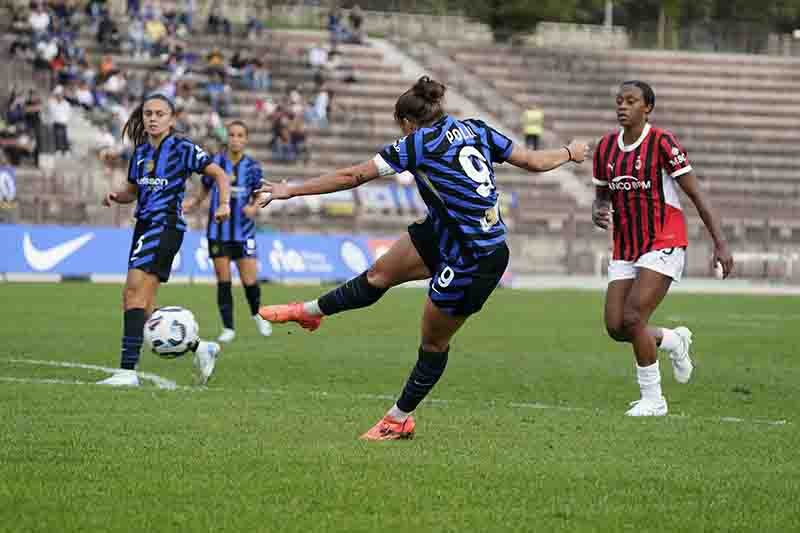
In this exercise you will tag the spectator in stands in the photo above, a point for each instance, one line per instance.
(219, 94)
(282, 149)
(215, 128)
(215, 62)
(108, 35)
(155, 31)
(60, 113)
(532, 126)
(64, 10)
(357, 33)
(39, 21)
(134, 6)
(255, 29)
(33, 122)
(46, 52)
(84, 96)
(317, 57)
(317, 112)
(217, 21)
(262, 77)
(137, 38)
(15, 143)
(186, 15)
(336, 29)
(297, 136)
(105, 68)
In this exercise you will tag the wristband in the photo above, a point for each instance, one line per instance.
(568, 151)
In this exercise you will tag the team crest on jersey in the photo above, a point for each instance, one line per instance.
(149, 166)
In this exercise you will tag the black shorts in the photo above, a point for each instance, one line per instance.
(459, 290)
(154, 248)
(233, 249)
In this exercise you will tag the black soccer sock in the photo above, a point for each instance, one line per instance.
(253, 294)
(225, 303)
(355, 294)
(132, 332)
(429, 368)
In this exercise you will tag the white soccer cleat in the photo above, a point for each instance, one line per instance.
(205, 359)
(264, 327)
(681, 362)
(648, 407)
(227, 335)
(122, 378)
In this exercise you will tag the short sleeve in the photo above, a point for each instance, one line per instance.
(673, 157)
(198, 159)
(254, 177)
(132, 170)
(399, 156)
(599, 175)
(500, 146)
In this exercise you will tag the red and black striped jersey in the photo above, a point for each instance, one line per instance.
(644, 196)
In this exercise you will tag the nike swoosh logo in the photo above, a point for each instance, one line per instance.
(46, 259)
(139, 162)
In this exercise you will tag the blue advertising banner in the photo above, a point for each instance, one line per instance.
(95, 251)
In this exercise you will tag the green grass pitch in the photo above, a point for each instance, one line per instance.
(525, 432)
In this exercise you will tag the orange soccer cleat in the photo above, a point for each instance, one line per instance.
(293, 312)
(390, 429)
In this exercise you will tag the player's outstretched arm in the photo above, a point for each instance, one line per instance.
(224, 186)
(340, 180)
(722, 255)
(544, 160)
(121, 197)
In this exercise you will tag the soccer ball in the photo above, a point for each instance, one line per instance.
(171, 331)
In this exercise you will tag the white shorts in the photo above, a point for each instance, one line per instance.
(668, 261)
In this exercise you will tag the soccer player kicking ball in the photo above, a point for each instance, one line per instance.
(160, 165)
(636, 170)
(461, 245)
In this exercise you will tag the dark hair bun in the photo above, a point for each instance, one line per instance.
(429, 90)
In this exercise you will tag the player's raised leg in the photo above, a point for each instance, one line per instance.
(438, 328)
(248, 273)
(222, 269)
(137, 297)
(399, 264)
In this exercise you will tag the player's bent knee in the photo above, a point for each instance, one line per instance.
(434, 346)
(617, 332)
(631, 320)
(134, 297)
(379, 278)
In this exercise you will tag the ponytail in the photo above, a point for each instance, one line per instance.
(422, 103)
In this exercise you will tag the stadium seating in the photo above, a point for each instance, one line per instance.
(735, 114)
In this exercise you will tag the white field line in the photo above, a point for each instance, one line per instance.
(158, 381)
(164, 383)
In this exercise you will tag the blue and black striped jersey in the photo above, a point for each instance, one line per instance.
(246, 178)
(452, 162)
(160, 175)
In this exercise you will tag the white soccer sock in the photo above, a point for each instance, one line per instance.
(649, 378)
(397, 414)
(312, 308)
(670, 341)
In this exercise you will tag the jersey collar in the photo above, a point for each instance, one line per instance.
(634, 146)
